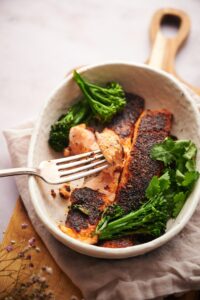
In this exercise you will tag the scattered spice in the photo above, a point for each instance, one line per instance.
(53, 193)
(64, 191)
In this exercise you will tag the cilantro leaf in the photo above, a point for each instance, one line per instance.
(153, 187)
(163, 151)
(190, 151)
(190, 178)
(179, 201)
(190, 165)
(165, 181)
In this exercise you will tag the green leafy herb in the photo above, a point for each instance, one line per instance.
(180, 152)
(179, 200)
(104, 102)
(165, 195)
(179, 156)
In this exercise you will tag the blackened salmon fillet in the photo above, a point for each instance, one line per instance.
(89, 202)
(151, 128)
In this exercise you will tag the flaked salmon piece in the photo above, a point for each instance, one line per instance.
(151, 128)
(105, 182)
(82, 139)
(110, 146)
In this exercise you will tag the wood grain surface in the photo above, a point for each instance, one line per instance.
(165, 49)
(162, 56)
(61, 286)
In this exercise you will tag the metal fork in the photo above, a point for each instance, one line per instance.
(65, 169)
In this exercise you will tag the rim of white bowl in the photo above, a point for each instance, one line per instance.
(93, 250)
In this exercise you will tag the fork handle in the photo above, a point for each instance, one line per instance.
(18, 171)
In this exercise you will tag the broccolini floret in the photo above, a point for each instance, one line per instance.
(98, 102)
(59, 133)
(104, 102)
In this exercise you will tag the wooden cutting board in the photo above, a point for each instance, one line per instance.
(162, 56)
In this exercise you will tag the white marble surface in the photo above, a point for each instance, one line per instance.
(41, 40)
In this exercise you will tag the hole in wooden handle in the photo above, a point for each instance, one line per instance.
(170, 25)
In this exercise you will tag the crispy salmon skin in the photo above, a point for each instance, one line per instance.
(124, 121)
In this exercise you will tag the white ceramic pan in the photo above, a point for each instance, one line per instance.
(160, 90)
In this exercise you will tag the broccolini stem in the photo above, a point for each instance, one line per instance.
(150, 218)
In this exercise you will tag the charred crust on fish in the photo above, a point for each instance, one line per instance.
(124, 121)
(91, 201)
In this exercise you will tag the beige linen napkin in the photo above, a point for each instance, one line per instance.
(173, 268)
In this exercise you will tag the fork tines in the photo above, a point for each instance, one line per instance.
(75, 157)
(89, 162)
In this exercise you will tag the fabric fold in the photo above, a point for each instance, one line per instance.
(173, 268)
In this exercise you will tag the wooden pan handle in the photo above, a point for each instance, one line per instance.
(164, 48)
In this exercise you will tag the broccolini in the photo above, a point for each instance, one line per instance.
(104, 102)
(59, 133)
(98, 102)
